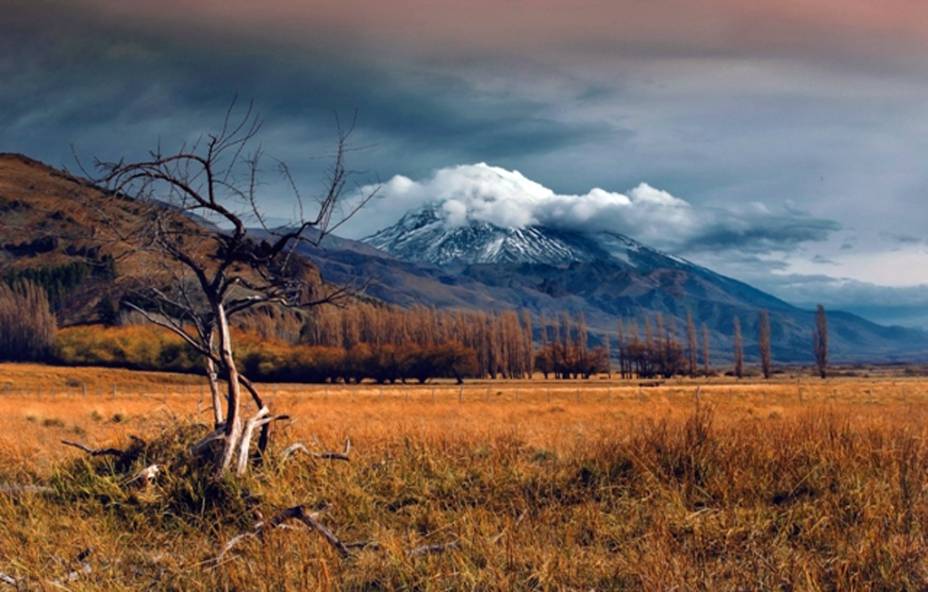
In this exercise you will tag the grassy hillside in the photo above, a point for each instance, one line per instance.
(67, 236)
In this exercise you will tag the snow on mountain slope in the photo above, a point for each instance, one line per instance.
(424, 236)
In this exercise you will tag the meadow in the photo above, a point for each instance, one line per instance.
(788, 484)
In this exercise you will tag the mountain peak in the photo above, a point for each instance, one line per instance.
(425, 235)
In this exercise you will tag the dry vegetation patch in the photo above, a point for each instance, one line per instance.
(818, 485)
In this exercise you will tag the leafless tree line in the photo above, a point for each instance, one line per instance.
(501, 342)
(565, 350)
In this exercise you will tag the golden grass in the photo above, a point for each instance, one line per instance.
(815, 485)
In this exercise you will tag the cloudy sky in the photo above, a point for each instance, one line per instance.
(781, 142)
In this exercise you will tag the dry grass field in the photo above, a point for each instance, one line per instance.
(600, 485)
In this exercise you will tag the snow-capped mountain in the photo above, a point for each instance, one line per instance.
(424, 236)
(425, 260)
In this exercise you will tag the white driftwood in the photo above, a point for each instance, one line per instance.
(245, 444)
(146, 475)
(293, 449)
(9, 580)
(325, 455)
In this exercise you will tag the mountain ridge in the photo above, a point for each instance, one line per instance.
(610, 276)
(47, 217)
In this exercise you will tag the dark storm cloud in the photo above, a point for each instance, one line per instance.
(111, 87)
(723, 102)
(760, 232)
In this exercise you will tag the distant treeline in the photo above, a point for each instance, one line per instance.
(659, 350)
(59, 280)
(389, 344)
(370, 342)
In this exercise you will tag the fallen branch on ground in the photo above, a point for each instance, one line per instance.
(279, 521)
(9, 580)
(325, 455)
(307, 518)
(94, 451)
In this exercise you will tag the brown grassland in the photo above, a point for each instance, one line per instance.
(605, 485)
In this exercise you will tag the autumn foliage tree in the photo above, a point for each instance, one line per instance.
(820, 341)
(705, 349)
(763, 342)
(691, 346)
(566, 353)
(657, 353)
(738, 344)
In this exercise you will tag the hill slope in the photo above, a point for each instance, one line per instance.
(64, 233)
(49, 233)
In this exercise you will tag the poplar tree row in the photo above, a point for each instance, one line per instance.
(653, 349)
(565, 349)
(502, 342)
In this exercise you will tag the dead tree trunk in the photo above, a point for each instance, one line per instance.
(233, 423)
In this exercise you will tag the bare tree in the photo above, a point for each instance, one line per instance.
(607, 350)
(211, 270)
(691, 342)
(820, 341)
(620, 346)
(739, 348)
(763, 342)
(705, 349)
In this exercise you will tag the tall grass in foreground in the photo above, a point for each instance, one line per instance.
(829, 496)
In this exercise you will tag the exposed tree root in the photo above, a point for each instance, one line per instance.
(289, 451)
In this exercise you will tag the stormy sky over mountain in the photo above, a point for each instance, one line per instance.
(790, 134)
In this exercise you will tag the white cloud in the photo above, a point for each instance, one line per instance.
(480, 192)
